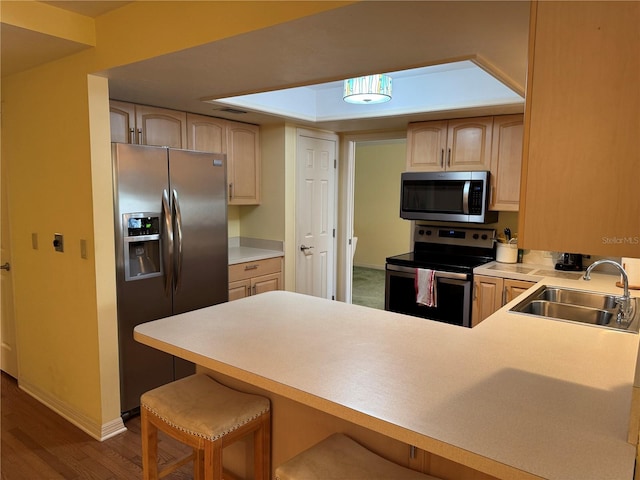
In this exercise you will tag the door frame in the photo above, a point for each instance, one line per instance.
(346, 187)
(331, 136)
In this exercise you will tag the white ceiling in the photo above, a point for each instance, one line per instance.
(365, 37)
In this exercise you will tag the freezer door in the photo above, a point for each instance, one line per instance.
(199, 202)
(140, 177)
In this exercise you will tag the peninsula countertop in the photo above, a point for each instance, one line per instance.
(514, 397)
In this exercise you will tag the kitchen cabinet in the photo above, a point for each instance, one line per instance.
(491, 293)
(252, 278)
(580, 158)
(206, 134)
(506, 162)
(454, 145)
(244, 163)
(145, 125)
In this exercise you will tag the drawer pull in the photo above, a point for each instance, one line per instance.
(251, 267)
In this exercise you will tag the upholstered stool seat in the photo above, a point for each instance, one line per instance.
(207, 416)
(340, 458)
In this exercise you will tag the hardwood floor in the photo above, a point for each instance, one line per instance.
(37, 443)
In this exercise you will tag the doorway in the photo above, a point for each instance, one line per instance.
(371, 226)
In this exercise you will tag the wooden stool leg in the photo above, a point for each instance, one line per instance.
(262, 449)
(149, 447)
(213, 460)
(198, 464)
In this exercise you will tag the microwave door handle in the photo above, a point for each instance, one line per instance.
(465, 197)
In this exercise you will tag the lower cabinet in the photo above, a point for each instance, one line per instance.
(251, 278)
(491, 293)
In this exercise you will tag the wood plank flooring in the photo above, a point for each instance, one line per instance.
(37, 443)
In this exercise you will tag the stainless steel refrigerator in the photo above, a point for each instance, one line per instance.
(171, 252)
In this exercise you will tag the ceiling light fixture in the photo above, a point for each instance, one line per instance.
(368, 89)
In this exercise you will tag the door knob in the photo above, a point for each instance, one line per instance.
(6, 267)
(305, 249)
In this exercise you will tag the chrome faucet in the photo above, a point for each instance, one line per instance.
(625, 300)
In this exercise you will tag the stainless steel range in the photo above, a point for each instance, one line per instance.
(447, 256)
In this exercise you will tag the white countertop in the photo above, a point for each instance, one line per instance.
(515, 397)
(250, 254)
(524, 271)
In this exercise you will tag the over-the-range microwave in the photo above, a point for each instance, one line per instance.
(446, 197)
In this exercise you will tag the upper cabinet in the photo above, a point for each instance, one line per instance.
(243, 170)
(581, 159)
(206, 134)
(147, 125)
(506, 162)
(454, 145)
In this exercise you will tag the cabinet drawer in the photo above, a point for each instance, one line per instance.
(242, 271)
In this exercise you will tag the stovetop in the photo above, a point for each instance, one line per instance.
(451, 249)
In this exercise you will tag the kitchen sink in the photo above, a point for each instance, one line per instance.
(579, 306)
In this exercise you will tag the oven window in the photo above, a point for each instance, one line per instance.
(433, 196)
(453, 299)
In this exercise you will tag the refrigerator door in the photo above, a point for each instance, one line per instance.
(199, 202)
(140, 178)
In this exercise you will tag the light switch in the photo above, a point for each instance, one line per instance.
(58, 242)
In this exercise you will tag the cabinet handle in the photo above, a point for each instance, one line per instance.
(140, 142)
(132, 135)
(442, 158)
(250, 267)
(448, 157)
(231, 191)
(254, 290)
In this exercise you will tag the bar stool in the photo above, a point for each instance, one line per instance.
(340, 458)
(207, 416)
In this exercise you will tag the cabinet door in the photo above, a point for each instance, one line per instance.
(161, 127)
(487, 297)
(206, 134)
(469, 144)
(123, 121)
(266, 283)
(239, 289)
(513, 288)
(426, 145)
(580, 164)
(506, 162)
(243, 168)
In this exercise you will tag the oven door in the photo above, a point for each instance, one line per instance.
(453, 295)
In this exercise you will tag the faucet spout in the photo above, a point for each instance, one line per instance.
(625, 300)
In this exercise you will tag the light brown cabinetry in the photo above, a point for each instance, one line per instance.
(145, 125)
(252, 278)
(453, 145)
(241, 143)
(491, 293)
(506, 162)
(243, 169)
(580, 162)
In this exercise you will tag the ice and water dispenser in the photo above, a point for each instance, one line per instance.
(142, 257)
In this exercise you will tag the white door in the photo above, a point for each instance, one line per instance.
(316, 213)
(8, 352)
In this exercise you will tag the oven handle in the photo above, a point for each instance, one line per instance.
(465, 197)
(439, 274)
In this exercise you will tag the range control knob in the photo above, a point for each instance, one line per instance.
(420, 232)
(484, 236)
(475, 236)
(428, 232)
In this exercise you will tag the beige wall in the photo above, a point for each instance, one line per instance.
(54, 143)
(377, 223)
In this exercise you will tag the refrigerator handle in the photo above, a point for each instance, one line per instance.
(167, 249)
(178, 231)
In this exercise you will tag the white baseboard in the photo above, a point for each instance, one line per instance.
(98, 431)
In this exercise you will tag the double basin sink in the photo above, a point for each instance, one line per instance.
(580, 306)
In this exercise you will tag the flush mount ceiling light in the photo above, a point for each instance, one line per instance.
(368, 89)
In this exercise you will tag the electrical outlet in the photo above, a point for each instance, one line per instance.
(58, 242)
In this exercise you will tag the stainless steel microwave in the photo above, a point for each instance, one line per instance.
(446, 197)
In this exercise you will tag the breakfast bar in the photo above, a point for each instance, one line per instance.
(514, 397)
